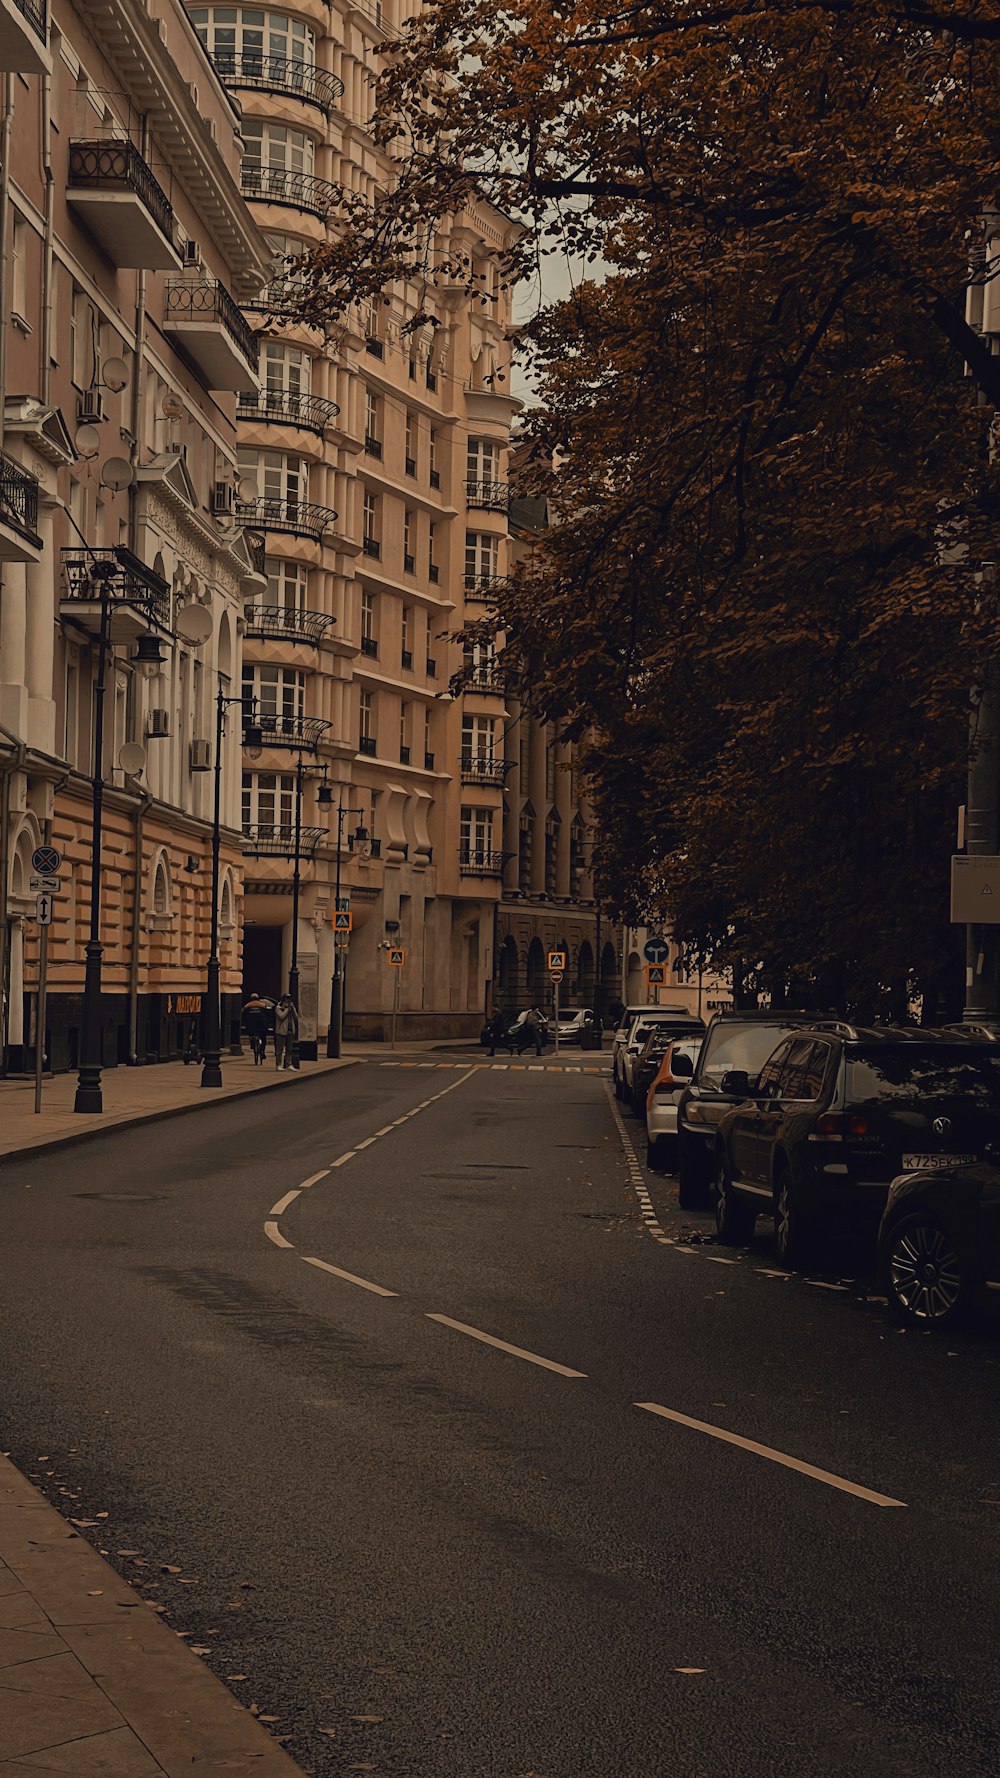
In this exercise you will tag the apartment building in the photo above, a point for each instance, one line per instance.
(126, 249)
(374, 465)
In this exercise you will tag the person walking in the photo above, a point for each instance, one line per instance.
(535, 1022)
(494, 1031)
(286, 1024)
(255, 1026)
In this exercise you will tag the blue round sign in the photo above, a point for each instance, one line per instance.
(46, 860)
(656, 950)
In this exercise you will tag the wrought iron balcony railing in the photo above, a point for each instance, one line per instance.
(286, 185)
(88, 573)
(299, 732)
(35, 13)
(287, 407)
(268, 841)
(117, 165)
(477, 861)
(369, 646)
(256, 552)
(281, 623)
(487, 679)
(279, 74)
(366, 745)
(484, 588)
(478, 770)
(299, 517)
(487, 496)
(208, 300)
(19, 499)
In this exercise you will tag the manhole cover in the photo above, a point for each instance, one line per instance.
(123, 1197)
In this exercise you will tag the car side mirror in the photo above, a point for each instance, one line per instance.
(736, 1082)
(681, 1067)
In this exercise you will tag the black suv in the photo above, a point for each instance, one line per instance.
(835, 1115)
(733, 1040)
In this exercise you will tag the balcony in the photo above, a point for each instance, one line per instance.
(125, 208)
(24, 30)
(287, 407)
(264, 841)
(285, 185)
(477, 861)
(484, 589)
(487, 496)
(303, 733)
(280, 74)
(366, 745)
(203, 318)
(19, 539)
(281, 623)
(476, 769)
(137, 596)
(484, 679)
(299, 518)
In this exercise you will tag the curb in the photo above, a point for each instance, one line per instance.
(72, 1139)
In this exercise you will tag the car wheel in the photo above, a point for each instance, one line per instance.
(654, 1153)
(619, 1094)
(926, 1278)
(790, 1231)
(692, 1186)
(734, 1220)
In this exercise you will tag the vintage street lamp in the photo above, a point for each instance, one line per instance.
(253, 743)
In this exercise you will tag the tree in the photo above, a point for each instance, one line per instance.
(773, 491)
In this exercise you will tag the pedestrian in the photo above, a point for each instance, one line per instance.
(286, 1024)
(255, 1026)
(534, 1020)
(615, 1012)
(493, 1031)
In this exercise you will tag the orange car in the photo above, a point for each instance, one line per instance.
(671, 1078)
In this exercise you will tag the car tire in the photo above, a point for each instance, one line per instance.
(692, 1188)
(619, 1093)
(735, 1221)
(927, 1280)
(661, 1154)
(792, 1235)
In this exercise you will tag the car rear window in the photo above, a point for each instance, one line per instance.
(879, 1074)
(739, 1046)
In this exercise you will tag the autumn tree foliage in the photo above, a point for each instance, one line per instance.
(773, 492)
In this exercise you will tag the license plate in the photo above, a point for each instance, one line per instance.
(930, 1163)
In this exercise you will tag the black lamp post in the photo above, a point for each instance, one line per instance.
(333, 1036)
(211, 1062)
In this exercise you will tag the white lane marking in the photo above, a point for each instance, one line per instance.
(717, 1259)
(637, 1181)
(358, 1146)
(773, 1456)
(281, 1206)
(314, 1179)
(274, 1234)
(342, 1158)
(384, 1131)
(349, 1277)
(476, 1333)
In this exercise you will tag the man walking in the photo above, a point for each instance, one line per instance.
(286, 1024)
(535, 1023)
(255, 1026)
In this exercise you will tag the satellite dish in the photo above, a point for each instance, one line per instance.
(132, 759)
(88, 441)
(115, 375)
(246, 488)
(194, 623)
(117, 473)
(173, 407)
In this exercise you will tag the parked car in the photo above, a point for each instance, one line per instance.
(663, 1096)
(518, 1034)
(939, 1243)
(734, 1040)
(644, 1064)
(641, 1034)
(573, 1024)
(677, 1017)
(834, 1116)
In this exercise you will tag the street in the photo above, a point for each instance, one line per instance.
(364, 1383)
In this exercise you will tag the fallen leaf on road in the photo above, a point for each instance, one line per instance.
(237, 1676)
(85, 1523)
(183, 1582)
(96, 1593)
(129, 1552)
(200, 1649)
(367, 1719)
(169, 1568)
(264, 1718)
(689, 1669)
(103, 1515)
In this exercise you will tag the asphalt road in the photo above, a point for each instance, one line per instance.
(430, 1556)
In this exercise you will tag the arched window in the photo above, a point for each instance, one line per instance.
(227, 906)
(161, 900)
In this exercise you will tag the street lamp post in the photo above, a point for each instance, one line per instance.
(89, 1094)
(333, 1035)
(211, 1060)
(293, 970)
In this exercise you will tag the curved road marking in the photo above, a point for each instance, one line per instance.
(350, 1277)
(281, 1206)
(475, 1333)
(274, 1234)
(773, 1456)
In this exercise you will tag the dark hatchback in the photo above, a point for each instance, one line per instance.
(834, 1116)
(939, 1244)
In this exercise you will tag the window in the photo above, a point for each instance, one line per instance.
(433, 571)
(278, 691)
(371, 321)
(482, 557)
(369, 539)
(286, 276)
(524, 751)
(277, 475)
(476, 832)
(428, 753)
(407, 636)
(369, 643)
(71, 710)
(524, 854)
(161, 889)
(409, 542)
(410, 460)
(551, 853)
(275, 145)
(19, 267)
(550, 768)
(238, 39)
(286, 369)
(767, 1081)
(366, 730)
(483, 460)
(269, 800)
(478, 733)
(404, 734)
(435, 472)
(286, 584)
(373, 425)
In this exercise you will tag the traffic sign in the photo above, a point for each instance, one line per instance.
(656, 975)
(46, 860)
(343, 922)
(396, 959)
(557, 959)
(38, 884)
(555, 975)
(43, 910)
(656, 949)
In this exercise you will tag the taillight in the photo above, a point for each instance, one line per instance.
(836, 1125)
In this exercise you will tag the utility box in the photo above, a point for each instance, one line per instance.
(975, 891)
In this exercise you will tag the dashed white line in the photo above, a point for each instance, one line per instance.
(349, 1277)
(358, 1146)
(475, 1333)
(281, 1206)
(773, 1456)
(342, 1159)
(274, 1234)
(314, 1179)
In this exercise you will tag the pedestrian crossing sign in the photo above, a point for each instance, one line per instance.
(557, 959)
(343, 922)
(656, 975)
(396, 959)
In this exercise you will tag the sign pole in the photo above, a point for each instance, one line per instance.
(556, 986)
(40, 1013)
(395, 1008)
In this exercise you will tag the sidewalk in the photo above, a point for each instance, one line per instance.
(92, 1684)
(134, 1096)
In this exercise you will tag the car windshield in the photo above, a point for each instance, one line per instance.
(639, 1036)
(746, 1047)
(879, 1074)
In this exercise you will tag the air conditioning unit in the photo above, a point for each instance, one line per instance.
(89, 407)
(158, 726)
(224, 499)
(200, 761)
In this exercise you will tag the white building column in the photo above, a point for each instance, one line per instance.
(39, 635)
(13, 642)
